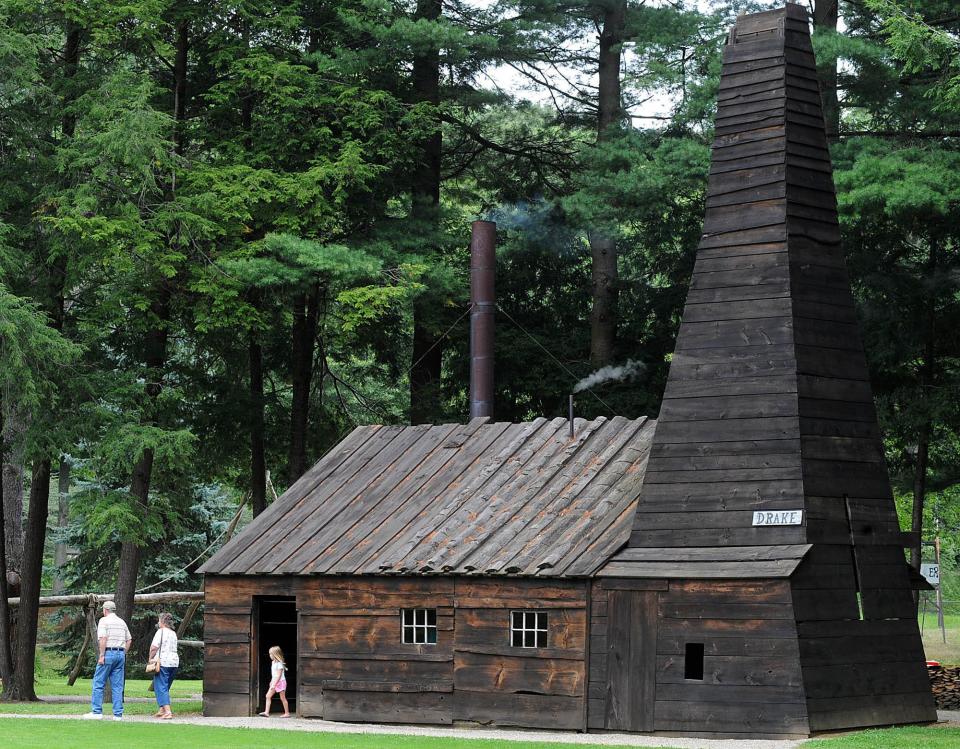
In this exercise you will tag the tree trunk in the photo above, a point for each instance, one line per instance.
(155, 359)
(306, 310)
(156, 349)
(22, 687)
(180, 84)
(14, 427)
(6, 656)
(927, 376)
(603, 249)
(426, 372)
(258, 463)
(604, 286)
(63, 519)
(426, 368)
(826, 14)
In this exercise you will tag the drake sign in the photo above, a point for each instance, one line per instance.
(778, 517)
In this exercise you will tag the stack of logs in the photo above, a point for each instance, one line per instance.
(945, 681)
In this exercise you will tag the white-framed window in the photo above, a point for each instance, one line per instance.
(528, 629)
(418, 626)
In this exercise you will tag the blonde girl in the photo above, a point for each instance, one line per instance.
(278, 682)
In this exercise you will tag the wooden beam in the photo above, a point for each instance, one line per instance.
(100, 598)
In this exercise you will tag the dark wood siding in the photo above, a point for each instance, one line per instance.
(354, 666)
(752, 677)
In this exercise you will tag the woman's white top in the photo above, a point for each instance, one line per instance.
(166, 640)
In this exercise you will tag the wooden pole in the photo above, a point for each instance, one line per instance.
(82, 655)
(99, 598)
(940, 622)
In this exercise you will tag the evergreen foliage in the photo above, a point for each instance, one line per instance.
(217, 242)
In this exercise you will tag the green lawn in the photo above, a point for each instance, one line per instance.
(186, 707)
(23, 732)
(78, 735)
(910, 737)
(57, 685)
(935, 648)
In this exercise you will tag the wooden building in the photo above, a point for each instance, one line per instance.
(737, 569)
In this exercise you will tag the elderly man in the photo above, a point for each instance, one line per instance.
(113, 638)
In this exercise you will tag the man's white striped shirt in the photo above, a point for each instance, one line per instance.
(114, 629)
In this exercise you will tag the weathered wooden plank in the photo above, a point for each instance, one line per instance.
(527, 710)
(721, 717)
(229, 652)
(226, 679)
(708, 430)
(310, 702)
(761, 449)
(383, 707)
(395, 669)
(734, 670)
(735, 610)
(635, 584)
(875, 710)
(731, 693)
(746, 646)
(761, 591)
(225, 705)
(701, 570)
(865, 679)
(727, 405)
(477, 672)
(405, 686)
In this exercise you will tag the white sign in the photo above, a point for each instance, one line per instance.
(931, 572)
(778, 517)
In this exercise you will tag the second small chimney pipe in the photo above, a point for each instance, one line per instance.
(483, 263)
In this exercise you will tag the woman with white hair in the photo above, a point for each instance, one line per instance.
(164, 649)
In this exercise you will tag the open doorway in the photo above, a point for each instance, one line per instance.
(276, 625)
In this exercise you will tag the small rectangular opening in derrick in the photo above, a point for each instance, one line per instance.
(693, 661)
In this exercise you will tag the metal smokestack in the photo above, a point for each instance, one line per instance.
(483, 263)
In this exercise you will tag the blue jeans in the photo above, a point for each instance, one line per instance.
(161, 684)
(112, 668)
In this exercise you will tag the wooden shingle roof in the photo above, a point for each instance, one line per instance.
(478, 498)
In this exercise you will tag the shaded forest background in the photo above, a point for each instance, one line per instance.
(232, 231)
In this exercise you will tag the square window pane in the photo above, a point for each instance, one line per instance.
(529, 639)
(516, 638)
(408, 634)
(542, 622)
(407, 617)
(432, 635)
(541, 639)
(517, 620)
(421, 616)
(431, 617)
(530, 620)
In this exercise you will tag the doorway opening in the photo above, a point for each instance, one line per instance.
(276, 625)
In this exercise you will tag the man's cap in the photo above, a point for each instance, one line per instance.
(109, 606)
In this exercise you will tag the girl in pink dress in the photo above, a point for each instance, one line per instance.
(278, 682)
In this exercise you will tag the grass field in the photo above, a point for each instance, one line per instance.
(20, 733)
(933, 645)
(910, 737)
(48, 684)
(185, 707)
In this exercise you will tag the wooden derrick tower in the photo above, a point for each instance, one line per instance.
(768, 435)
